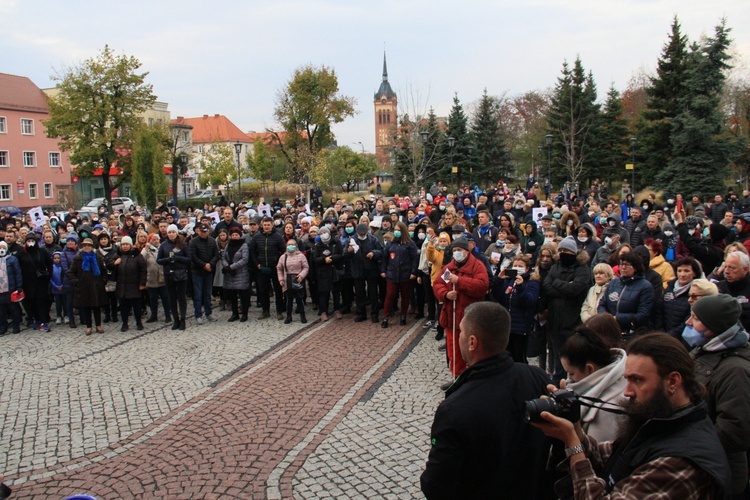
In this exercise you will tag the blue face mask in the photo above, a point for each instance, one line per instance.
(397, 234)
(693, 337)
(349, 230)
(411, 234)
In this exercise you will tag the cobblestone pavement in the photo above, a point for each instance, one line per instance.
(236, 410)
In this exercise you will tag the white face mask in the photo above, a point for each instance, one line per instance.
(668, 233)
(607, 241)
(325, 237)
(520, 270)
(612, 223)
(420, 236)
(31, 243)
(583, 239)
(570, 222)
(459, 256)
(548, 240)
(3, 251)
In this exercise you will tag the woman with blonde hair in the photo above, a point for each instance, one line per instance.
(603, 274)
(701, 288)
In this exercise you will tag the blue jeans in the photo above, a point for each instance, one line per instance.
(202, 286)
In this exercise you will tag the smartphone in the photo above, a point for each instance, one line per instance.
(511, 274)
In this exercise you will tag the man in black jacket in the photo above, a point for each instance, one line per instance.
(365, 265)
(204, 254)
(481, 445)
(266, 247)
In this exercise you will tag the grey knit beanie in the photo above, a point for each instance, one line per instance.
(718, 312)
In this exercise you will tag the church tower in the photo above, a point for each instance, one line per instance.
(386, 106)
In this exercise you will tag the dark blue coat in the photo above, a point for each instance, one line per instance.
(15, 279)
(630, 301)
(399, 262)
(521, 303)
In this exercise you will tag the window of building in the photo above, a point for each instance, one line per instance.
(54, 159)
(185, 137)
(200, 148)
(3, 125)
(48, 190)
(150, 122)
(27, 126)
(29, 159)
(5, 192)
(33, 191)
(4, 159)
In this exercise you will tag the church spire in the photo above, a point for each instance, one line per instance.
(385, 69)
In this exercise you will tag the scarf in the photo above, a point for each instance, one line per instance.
(90, 264)
(4, 285)
(232, 248)
(731, 339)
(679, 290)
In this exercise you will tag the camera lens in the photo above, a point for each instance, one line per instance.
(534, 408)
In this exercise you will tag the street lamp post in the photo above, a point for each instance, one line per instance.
(538, 169)
(548, 137)
(238, 150)
(183, 170)
(425, 135)
(633, 142)
(470, 150)
(273, 173)
(451, 143)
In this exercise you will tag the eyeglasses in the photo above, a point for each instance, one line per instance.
(695, 296)
(625, 264)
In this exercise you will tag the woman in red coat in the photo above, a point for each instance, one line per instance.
(467, 283)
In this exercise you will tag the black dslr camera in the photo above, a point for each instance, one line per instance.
(564, 404)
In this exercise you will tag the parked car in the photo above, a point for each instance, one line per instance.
(11, 209)
(122, 204)
(203, 193)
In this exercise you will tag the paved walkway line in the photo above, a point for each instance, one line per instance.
(213, 393)
(273, 486)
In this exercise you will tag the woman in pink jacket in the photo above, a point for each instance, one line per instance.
(291, 271)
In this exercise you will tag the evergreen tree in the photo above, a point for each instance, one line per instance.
(491, 158)
(437, 166)
(572, 119)
(149, 158)
(700, 155)
(614, 137)
(666, 89)
(458, 129)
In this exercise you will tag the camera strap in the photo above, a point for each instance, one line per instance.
(602, 405)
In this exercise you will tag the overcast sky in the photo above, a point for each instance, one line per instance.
(231, 57)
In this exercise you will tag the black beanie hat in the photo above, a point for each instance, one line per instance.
(718, 312)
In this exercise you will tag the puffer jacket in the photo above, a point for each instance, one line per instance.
(237, 275)
(178, 260)
(664, 269)
(154, 272)
(66, 260)
(267, 248)
(203, 252)
(630, 301)
(131, 273)
(675, 310)
(291, 263)
(530, 242)
(15, 279)
(399, 262)
(563, 292)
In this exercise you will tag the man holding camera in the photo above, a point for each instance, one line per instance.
(666, 447)
(481, 446)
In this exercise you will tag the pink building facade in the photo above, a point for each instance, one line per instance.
(33, 170)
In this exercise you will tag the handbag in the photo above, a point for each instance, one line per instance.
(291, 280)
(178, 274)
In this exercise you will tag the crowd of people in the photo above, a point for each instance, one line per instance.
(582, 279)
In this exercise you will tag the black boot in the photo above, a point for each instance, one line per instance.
(234, 317)
(124, 327)
(152, 319)
(288, 318)
(302, 317)
(139, 326)
(384, 324)
(403, 321)
(243, 317)
(182, 324)
(107, 319)
(176, 325)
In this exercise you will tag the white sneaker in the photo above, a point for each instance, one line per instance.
(199, 320)
(211, 318)
(58, 321)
